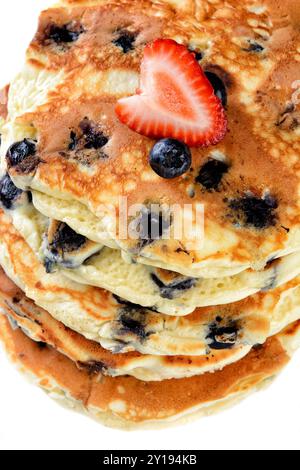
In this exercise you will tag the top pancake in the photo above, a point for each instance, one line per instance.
(253, 46)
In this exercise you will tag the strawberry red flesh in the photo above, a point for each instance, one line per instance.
(175, 99)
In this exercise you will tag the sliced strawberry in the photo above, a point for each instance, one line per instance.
(175, 98)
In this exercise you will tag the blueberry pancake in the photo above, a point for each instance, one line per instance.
(173, 294)
(62, 249)
(128, 403)
(41, 327)
(149, 205)
(79, 131)
(218, 333)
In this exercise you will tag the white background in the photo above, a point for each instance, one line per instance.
(30, 420)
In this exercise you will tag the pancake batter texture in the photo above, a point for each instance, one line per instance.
(158, 105)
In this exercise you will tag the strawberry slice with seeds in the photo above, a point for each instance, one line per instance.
(175, 98)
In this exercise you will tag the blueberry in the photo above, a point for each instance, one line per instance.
(20, 151)
(63, 34)
(94, 139)
(126, 302)
(8, 192)
(256, 212)
(218, 86)
(169, 291)
(66, 240)
(211, 174)
(222, 337)
(170, 158)
(73, 141)
(255, 47)
(133, 321)
(198, 54)
(151, 225)
(89, 138)
(93, 367)
(49, 264)
(61, 241)
(125, 41)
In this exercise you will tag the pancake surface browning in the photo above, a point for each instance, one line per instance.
(218, 334)
(85, 56)
(125, 402)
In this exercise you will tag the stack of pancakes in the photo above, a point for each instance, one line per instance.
(147, 331)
